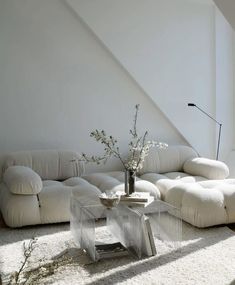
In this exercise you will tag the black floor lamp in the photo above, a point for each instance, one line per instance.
(220, 125)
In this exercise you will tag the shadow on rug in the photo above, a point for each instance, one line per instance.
(206, 256)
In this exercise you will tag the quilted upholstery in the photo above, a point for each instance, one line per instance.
(114, 181)
(48, 164)
(51, 205)
(22, 180)
(197, 186)
(35, 201)
(174, 175)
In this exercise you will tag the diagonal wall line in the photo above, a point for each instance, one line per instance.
(78, 17)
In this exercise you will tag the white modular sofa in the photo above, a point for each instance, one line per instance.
(36, 186)
(197, 186)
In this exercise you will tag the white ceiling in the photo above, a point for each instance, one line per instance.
(227, 7)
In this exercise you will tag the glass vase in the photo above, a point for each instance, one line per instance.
(129, 182)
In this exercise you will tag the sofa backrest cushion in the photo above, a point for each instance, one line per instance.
(48, 164)
(209, 168)
(169, 159)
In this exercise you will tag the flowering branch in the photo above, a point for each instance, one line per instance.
(110, 148)
(138, 147)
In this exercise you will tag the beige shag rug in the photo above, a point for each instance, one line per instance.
(207, 256)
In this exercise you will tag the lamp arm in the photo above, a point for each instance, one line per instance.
(217, 154)
(220, 125)
(208, 115)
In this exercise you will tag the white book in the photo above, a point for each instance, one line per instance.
(132, 203)
(146, 244)
(151, 237)
(136, 197)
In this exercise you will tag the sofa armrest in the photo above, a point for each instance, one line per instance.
(209, 168)
(22, 180)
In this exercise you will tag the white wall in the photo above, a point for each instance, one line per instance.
(170, 53)
(169, 48)
(224, 82)
(231, 157)
(68, 67)
(58, 83)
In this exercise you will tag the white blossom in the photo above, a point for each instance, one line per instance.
(139, 148)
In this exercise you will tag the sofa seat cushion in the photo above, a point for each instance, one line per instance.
(114, 181)
(204, 206)
(201, 207)
(168, 180)
(54, 199)
(51, 205)
(55, 196)
(204, 203)
(72, 182)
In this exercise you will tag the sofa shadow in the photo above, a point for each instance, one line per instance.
(78, 257)
(12, 235)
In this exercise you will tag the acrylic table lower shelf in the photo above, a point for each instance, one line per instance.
(125, 229)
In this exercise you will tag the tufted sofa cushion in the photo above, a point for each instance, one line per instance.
(114, 181)
(204, 203)
(169, 159)
(22, 180)
(51, 205)
(196, 185)
(55, 196)
(209, 168)
(37, 185)
(48, 164)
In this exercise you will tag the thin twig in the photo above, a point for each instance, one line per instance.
(27, 253)
(134, 131)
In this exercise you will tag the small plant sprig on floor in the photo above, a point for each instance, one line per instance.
(27, 249)
(139, 147)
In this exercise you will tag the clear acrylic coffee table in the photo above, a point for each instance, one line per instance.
(124, 224)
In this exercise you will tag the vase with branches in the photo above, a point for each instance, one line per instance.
(139, 148)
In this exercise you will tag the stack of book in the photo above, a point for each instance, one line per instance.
(137, 199)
